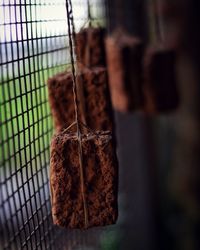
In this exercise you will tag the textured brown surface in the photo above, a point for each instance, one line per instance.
(160, 87)
(97, 104)
(90, 47)
(61, 100)
(94, 99)
(100, 180)
(124, 61)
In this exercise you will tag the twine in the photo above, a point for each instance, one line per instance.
(157, 19)
(89, 13)
(71, 33)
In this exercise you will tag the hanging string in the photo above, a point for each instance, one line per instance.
(71, 33)
(89, 13)
(74, 39)
(72, 20)
(158, 21)
(120, 14)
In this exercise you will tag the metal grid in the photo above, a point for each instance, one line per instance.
(33, 47)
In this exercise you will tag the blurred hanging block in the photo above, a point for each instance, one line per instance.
(61, 99)
(124, 61)
(173, 14)
(100, 178)
(90, 47)
(97, 103)
(160, 86)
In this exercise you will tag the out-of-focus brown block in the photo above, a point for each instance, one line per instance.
(90, 47)
(160, 85)
(100, 171)
(124, 61)
(97, 103)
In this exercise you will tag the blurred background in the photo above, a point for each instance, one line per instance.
(159, 154)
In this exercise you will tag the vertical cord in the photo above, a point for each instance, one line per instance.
(71, 17)
(157, 22)
(120, 14)
(89, 12)
(72, 36)
(79, 90)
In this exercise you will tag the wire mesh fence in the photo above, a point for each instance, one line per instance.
(33, 47)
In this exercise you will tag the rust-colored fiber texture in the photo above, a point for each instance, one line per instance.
(97, 103)
(94, 103)
(62, 101)
(160, 85)
(100, 170)
(125, 70)
(90, 47)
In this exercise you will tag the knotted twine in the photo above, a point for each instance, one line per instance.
(71, 34)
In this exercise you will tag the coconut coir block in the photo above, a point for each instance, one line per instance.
(160, 86)
(124, 61)
(90, 48)
(93, 99)
(62, 101)
(97, 103)
(100, 174)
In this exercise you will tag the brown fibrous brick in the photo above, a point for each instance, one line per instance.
(100, 171)
(60, 88)
(94, 103)
(124, 61)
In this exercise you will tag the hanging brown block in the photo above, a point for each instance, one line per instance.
(160, 87)
(97, 104)
(61, 100)
(100, 174)
(90, 47)
(94, 99)
(124, 61)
